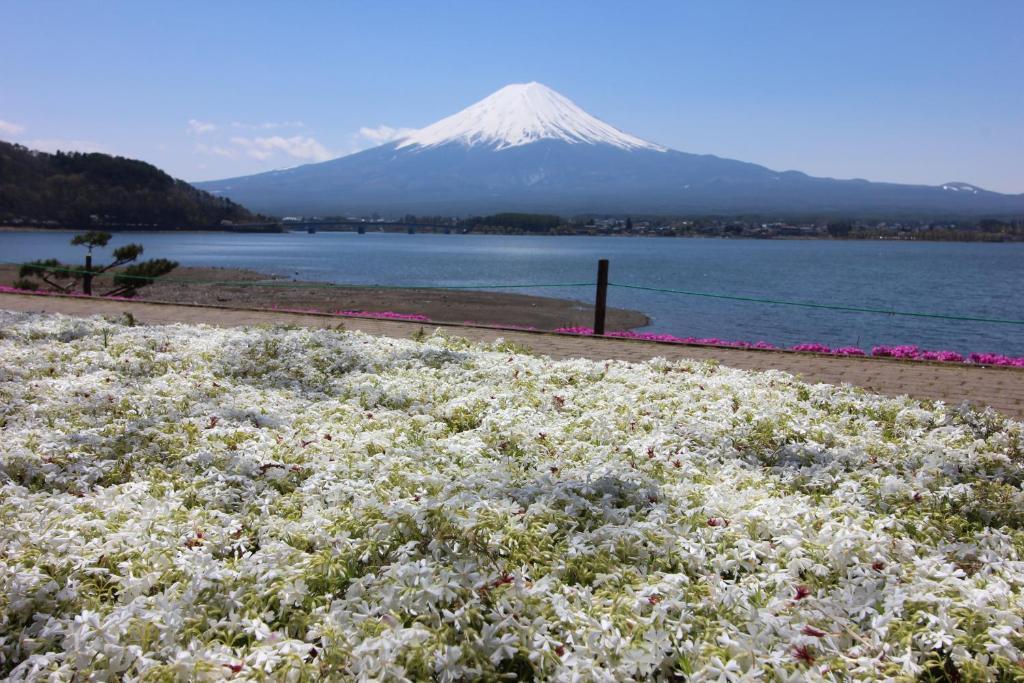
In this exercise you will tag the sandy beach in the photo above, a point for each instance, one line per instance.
(185, 285)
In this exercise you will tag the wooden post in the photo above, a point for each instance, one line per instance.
(601, 302)
(87, 277)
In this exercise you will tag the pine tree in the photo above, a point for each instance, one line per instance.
(63, 278)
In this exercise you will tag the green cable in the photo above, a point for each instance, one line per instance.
(825, 306)
(712, 295)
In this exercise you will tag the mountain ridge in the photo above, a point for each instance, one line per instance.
(73, 189)
(528, 148)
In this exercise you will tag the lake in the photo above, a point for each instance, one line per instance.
(975, 280)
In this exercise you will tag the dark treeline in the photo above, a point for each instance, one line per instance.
(763, 227)
(76, 190)
(519, 222)
(984, 230)
(499, 222)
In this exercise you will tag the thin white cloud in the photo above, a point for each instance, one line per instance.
(268, 125)
(197, 127)
(251, 148)
(10, 128)
(59, 144)
(382, 134)
(216, 150)
(297, 146)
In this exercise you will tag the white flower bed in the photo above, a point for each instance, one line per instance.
(194, 503)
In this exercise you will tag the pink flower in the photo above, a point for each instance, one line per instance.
(384, 315)
(905, 352)
(942, 356)
(814, 348)
(908, 352)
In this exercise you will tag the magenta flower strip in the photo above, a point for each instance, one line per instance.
(902, 352)
(40, 292)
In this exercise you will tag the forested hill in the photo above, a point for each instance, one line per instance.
(71, 189)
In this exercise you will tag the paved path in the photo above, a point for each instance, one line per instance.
(1001, 388)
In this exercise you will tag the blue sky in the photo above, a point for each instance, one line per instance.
(907, 91)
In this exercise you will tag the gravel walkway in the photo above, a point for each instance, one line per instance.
(1000, 388)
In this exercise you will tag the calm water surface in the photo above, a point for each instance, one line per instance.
(979, 280)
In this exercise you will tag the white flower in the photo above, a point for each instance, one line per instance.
(206, 503)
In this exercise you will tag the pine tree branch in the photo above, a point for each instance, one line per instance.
(119, 291)
(59, 288)
(115, 264)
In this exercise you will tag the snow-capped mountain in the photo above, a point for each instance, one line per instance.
(528, 148)
(520, 114)
(961, 187)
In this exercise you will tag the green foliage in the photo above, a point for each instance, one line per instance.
(840, 229)
(126, 319)
(128, 252)
(506, 346)
(994, 503)
(126, 282)
(140, 275)
(50, 266)
(24, 283)
(57, 275)
(73, 189)
(526, 222)
(91, 239)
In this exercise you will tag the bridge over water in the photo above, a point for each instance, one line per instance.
(365, 226)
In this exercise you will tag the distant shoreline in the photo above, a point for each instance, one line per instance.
(776, 238)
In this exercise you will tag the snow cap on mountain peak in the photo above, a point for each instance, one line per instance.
(519, 114)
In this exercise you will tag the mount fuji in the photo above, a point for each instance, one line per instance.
(528, 148)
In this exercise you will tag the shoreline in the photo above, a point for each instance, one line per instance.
(439, 305)
(426, 231)
(903, 354)
(229, 287)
